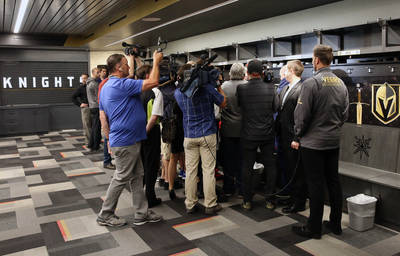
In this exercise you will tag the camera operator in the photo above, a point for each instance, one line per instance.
(200, 143)
(124, 124)
(257, 101)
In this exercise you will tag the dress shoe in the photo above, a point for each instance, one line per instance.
(192, 210)
(213, 210)
(293, 209)
(305, 232)
(154, 202)
(335, 230)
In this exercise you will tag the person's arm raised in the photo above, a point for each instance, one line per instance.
(154, 77)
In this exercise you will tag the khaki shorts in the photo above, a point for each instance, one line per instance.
(165, 150)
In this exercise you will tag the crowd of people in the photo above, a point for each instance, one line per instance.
(287, 137)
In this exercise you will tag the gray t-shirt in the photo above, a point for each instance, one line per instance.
(92, 89)
(230, 116)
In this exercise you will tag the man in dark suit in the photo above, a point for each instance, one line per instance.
(287, 103)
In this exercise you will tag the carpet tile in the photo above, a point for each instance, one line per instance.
(52, 188)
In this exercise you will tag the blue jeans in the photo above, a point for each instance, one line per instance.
(107, 156)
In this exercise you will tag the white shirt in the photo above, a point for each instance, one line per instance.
(158, 104)
(291, 85)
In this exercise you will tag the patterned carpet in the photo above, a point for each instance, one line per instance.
(51, 189)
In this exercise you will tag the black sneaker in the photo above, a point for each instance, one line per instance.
(214, 209)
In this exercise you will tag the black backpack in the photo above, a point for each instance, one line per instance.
(169, 120)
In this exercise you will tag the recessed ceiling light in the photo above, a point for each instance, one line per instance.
(152, 19)
(21, 14)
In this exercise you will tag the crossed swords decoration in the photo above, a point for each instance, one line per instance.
(359, 105)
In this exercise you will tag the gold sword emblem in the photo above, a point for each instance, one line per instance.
(359, 105)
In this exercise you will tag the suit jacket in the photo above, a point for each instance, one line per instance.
(285, 119)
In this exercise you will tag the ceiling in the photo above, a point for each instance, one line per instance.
(97, 23)
(70, 17)
(240, 12)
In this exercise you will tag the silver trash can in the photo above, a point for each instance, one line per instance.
(361, 209)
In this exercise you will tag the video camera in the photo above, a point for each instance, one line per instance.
(139, 51)
(268, 76)
(134, 49)
(200, 75)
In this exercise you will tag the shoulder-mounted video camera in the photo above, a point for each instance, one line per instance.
(200, 75)
(134, 49)
(139, 51)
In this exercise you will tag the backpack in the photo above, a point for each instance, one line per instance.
(169, 120)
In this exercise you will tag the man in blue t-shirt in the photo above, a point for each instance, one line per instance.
(124, 124)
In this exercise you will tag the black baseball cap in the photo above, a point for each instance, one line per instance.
(254, 66)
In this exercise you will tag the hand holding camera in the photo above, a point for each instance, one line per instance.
(157, 57)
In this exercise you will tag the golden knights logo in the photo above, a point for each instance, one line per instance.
(386, 102)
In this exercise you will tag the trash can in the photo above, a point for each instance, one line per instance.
(361, 209)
